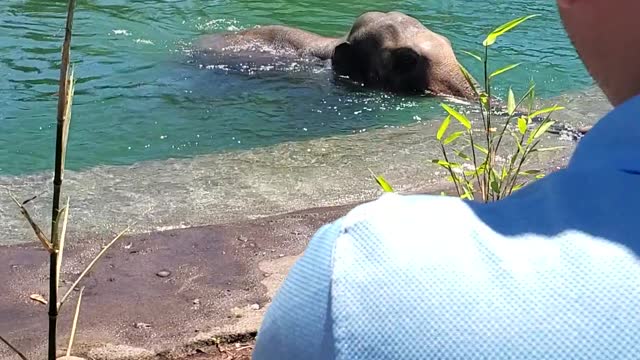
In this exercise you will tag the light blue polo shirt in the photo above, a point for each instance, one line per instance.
(551, 272)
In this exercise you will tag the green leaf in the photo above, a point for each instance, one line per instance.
(455, 178)
(527, 94)
(546, 110)
(469, 79)
(467, 195)
(384, 184)
(503, 70)
(477, 57)
(495, 187)
(461, 118)
(518, 187)
(494, 173)
(504, 173)
(517, 141)
(511, 102)
(548, 149)
(443, 127)
(512, 162)
(542, 129)
(530, 172)
(445, 164)
(532, 94)
(481, 169)
(463, 155)
(484, 99)
(502, 29)
(452, 137)
(522, 125)
(482, 149)
(494, 182)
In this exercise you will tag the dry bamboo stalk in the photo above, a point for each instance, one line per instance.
(65, 98)
(75, 323)
(63, 233)
(41, 236)
(90, 266)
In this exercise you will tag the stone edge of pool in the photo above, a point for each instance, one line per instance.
(220, 280)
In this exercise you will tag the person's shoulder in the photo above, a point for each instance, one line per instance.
(397, 221)
(392, 210)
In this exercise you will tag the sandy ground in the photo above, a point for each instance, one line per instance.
(221, 280)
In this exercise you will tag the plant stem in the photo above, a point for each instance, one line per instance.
(510, 118)
(91, 264)
(489, 162)
(75, 323)
(487, 89)
(21, 355)
(453, 177)
(506, 183)
(63, 104)
(522, 160)
(475, 162)
(39, 234)
(514, 179)
(53, 309)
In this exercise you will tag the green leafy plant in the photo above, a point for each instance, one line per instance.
(485, 177)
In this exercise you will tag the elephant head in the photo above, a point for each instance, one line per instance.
(395, 52)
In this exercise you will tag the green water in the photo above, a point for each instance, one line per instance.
(137, 98)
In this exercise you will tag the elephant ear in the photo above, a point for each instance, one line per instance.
(343, 59)
(404, 60)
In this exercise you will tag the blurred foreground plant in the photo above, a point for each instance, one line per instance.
(59, 215)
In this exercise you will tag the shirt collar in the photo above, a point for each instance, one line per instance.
(613, 142)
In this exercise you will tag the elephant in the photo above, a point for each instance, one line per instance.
(391, 51)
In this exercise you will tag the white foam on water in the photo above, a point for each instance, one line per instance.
(144, 41)
(121, 32)
(219, 24)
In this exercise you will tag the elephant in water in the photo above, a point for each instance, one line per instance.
(390, 51)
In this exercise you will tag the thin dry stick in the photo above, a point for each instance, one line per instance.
(63, 234)
(41, 236)
(13, 348)
(65, 97)
(75, 322)
(93, 262)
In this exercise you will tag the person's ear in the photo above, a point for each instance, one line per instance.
(343, 59)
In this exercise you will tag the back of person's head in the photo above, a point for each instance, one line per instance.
(607, 38)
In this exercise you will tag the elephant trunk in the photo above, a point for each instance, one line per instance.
(460, 85)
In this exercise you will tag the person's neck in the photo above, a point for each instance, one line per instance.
(618, 95)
